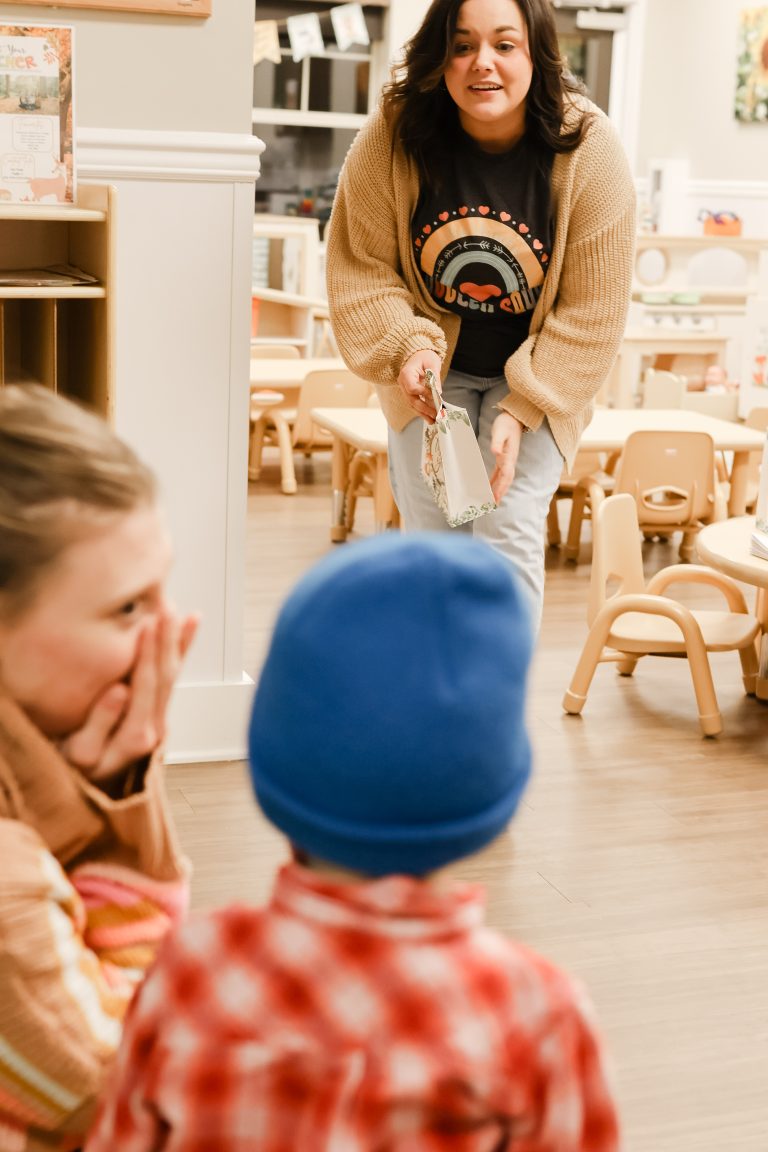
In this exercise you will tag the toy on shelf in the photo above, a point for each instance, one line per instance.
(720, 223)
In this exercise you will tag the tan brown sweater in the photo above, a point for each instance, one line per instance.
(382, 314)
(89, 885)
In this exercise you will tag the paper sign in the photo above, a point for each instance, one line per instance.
(36, 159)
(266, 42)
(305, 36)
(349, 26)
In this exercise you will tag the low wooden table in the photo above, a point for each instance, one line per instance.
(610, 427)
(353, 430)
(725, 546)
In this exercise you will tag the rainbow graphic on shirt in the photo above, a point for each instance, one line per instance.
(480, 260)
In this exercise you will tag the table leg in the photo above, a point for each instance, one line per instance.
(383, 501)
(341, 454)
(761, 611)
(737, 497)
(287, 473)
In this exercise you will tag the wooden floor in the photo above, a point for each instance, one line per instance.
(638, 860)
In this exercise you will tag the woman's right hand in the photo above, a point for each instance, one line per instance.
(127, 722)
(413, 384)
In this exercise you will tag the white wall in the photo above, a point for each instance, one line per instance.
(136, 70)
(687, 88)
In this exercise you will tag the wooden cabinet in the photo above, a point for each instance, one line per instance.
(62, 336)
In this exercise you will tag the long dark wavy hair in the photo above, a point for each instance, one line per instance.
(424, 115)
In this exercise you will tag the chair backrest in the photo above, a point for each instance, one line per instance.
(617, 559)
(757, 418)
(670, 476)
(721, 405)
(275, 352)
(662, 389)
(325, 388)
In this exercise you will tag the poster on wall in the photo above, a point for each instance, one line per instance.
(752, 66)
(36, 158)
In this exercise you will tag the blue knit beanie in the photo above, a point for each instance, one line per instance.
(388, 731)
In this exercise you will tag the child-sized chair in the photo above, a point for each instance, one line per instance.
(628, 620)
(671, 477)
(293, 430)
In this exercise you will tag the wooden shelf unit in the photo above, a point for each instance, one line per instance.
(61, 337)
(677, 253)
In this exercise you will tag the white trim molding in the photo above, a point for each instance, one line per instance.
(209, 722)
(127, 153)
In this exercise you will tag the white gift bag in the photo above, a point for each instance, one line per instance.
(452, 464)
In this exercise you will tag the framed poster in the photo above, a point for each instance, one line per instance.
(752, 66)
(158, 7)
(36, 160)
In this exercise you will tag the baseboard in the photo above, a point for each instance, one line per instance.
(209, 722)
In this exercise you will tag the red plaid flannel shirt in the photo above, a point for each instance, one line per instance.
(373, 1017)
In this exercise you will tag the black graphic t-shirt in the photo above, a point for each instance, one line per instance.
(482, 245)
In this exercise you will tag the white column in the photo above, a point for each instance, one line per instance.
(183, 275)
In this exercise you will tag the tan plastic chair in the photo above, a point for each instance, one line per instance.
(721, 405)
(590, 468)
(361, 482)
(663, 389)
(293, 430)
(275, 352)
(628, 620)
(671, 476)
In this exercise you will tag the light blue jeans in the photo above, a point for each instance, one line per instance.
(517, 527)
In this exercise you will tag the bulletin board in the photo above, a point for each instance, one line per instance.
(158, 7)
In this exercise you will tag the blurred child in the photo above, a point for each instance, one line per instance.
(368, 1007)
(90, 872)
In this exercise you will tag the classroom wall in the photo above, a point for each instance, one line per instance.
(136, 70)
(688, 84)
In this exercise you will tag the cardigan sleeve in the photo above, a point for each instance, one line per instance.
(89, 886)
(560, 367)
(375, 317)
(68, 970)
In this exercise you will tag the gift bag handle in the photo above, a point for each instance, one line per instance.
(437, 399)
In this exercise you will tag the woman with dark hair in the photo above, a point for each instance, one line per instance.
(483, 229)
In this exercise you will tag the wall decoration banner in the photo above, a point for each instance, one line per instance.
(349, 26)
(752, 66)
(36, 160)
(266, 42)
(305, 36)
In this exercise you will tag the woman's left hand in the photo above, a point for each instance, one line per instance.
(506, 434)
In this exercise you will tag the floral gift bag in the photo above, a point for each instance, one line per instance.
(452, 464)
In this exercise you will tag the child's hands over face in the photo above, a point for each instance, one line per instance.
(127, 722)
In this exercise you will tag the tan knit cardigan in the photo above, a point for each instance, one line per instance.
(88, 887)
(382, 314)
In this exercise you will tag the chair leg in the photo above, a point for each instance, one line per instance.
(586, 489)
(627, 666)
(701, 674)
(576, 696)
(282, 428)
(750, 666)
(256, 447)
(688, 545)
(554, 537)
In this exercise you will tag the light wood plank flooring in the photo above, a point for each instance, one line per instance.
(639, 858)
